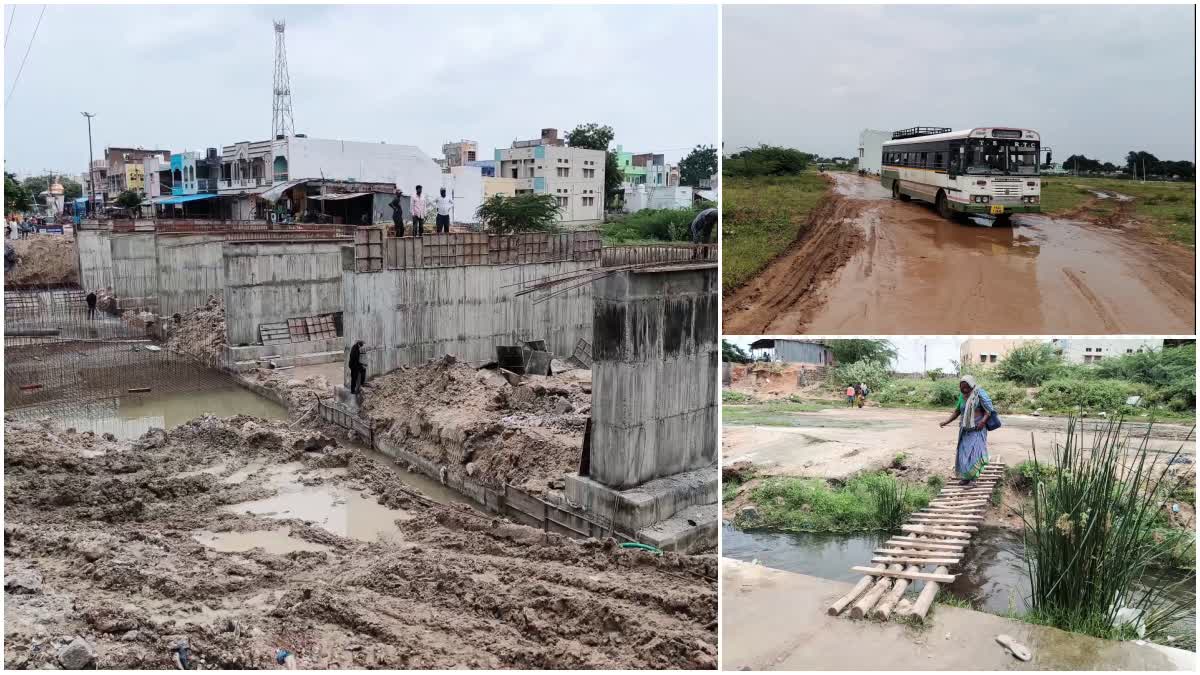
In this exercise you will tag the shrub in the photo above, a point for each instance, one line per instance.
(1005, 395)
(651, 224)
(866, 502)
(521, 213)
(1030, 364)
(1104, 395)
(766, 160)
(944, 392)
(873, 374)
(1024, 475)
(735, 397)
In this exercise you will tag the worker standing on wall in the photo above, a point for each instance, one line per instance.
(444, 204)
(398, 212)
(702, 229)
(358, 370)
(419, 208)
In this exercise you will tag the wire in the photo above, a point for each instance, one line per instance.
(27, 49)
(8, 30)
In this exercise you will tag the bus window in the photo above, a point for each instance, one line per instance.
(938, 160)
(924, 159)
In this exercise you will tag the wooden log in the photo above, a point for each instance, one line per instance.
(925, 599)
(948, 515)
(935, 531)
(860, 608)
(938, 545)
(884, 609)
(916, 552)
(837, 607)
(956, 527)
(915, 560)
(940, 577)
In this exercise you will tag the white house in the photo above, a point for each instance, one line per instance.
(1091, 350)
(639, 197)
(870, 149)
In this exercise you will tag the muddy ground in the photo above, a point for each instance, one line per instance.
(44, 259)
(199, 333)
(869, 264)
(242, 536)
(478, 424)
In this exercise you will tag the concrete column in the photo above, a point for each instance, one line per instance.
(654, 374)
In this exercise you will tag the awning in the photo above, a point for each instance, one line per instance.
(182, 199)
(340, 195)
(276, 192)
(710, 195)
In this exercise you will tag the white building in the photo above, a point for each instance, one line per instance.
(152, 166)
(640, 197)
(575, 176)
(870, 149)
(1091, 350)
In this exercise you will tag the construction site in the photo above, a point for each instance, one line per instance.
(527, 479)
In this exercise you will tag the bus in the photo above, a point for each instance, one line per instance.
(988, 170)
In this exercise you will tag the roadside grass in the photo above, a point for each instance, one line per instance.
(770, 414)
(650, 226)
(1170, 208)
(867, 502)
(761, 217)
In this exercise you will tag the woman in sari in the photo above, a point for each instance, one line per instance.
(973, 410)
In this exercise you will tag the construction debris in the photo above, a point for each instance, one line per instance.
(199, 333)
(43, 260)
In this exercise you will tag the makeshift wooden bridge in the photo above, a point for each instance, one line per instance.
(935, 537)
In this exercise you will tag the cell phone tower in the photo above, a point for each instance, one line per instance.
(282, 124)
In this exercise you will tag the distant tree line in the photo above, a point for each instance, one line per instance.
(767, 160)
(1137, 164)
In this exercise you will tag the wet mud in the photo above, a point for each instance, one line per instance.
(241, 536)
(874, 265)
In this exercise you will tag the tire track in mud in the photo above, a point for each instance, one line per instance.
(789, 283)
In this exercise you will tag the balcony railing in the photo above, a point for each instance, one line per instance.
(242, 183)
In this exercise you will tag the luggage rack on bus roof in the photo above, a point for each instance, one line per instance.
(913, 132)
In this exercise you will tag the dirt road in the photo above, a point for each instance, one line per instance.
(242, 536)
(838, 443)
(872, 265)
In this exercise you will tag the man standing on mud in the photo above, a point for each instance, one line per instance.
(702, 229)
(398, 213)
(358, 370)
(91, 303)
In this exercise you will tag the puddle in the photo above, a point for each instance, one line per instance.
(992, 577)
(128, 417)
(272, 541)
(337, 509)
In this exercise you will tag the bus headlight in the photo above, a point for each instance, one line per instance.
(982, 199)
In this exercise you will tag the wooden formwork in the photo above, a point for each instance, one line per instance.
(935, 537)
(375, 251)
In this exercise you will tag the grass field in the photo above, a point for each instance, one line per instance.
(1170, 208)
(762, 216)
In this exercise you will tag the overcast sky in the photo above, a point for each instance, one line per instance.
(1097, 80)
(190, 77)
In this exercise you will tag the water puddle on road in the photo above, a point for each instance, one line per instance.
(992, 578)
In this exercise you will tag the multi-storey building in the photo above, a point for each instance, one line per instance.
(119, 171)
(460, 153)
(545, 165)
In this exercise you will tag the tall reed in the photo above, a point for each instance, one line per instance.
(1088, 533)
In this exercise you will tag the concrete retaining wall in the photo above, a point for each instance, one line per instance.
(190, 268)
(409, 316)
(135, 270)
(654, 375)
(272, 282)
(95, 259)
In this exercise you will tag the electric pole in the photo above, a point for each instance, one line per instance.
(91, 173)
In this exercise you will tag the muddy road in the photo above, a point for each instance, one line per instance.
(872, 265)
(241, 536)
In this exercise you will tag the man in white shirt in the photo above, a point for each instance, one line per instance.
(444, 204)
(419, 208)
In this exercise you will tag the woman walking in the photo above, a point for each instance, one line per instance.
(974, 410)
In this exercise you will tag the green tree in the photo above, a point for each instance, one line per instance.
(1031, 364)
(700, 164)
(16, 197)
(522, 213)
(592, 136)
(881, 352)
(129, 199)
(1141, 163)
(733, 353)
(767, 160)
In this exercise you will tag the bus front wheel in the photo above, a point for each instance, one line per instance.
(896, 193)
(943, 207)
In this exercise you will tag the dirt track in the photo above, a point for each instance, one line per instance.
(241, 536)
(871, 265)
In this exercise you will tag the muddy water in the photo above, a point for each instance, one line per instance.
(277, 541)
(130, 416)
(919, 273)
(992, 578)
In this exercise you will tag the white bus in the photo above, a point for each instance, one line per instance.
(988, 170)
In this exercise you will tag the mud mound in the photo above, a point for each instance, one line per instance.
(44, 259)
(200, 333)
(775, 379)
(476, 423)
(455, 589)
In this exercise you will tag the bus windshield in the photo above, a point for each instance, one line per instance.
(995, 157)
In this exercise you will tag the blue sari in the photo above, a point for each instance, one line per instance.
(972, 456)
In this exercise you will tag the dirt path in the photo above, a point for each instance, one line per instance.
(838, 443)
(901, 269)
(242, 536)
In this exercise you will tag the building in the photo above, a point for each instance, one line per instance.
(493, 186)
(194, 173)
(870, 150)
(810, 352)
(116, 175)
(630, 173)
(460, 153)
(655, 168)
(157, 170)
(487, 167)
(575, 176)
(987, 351)
(640, 197)
(1091, 350)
